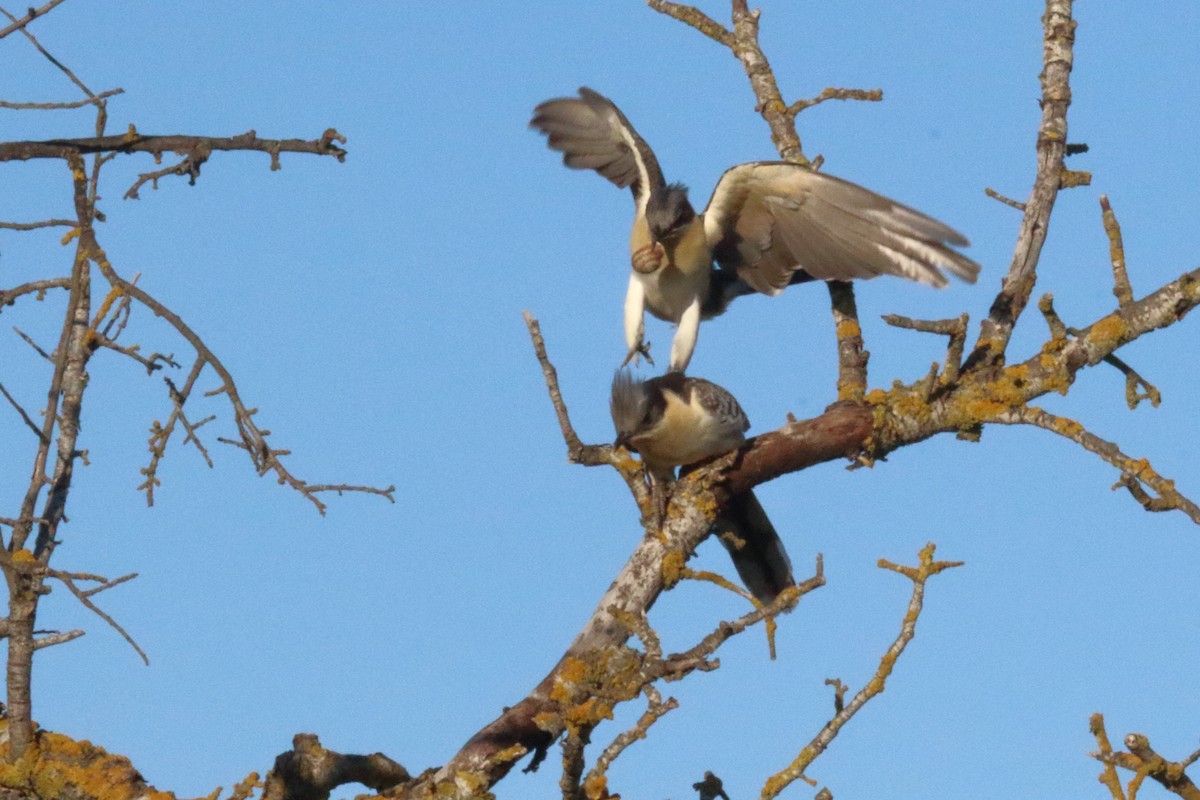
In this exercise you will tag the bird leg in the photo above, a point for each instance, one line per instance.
(635, 325)
(685, 337)
(640, 350)
(660, 497)
(648, 258)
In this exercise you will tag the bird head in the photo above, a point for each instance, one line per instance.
(669, 212)
(633, 407)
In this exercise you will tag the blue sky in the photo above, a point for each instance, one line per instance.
(372, 311)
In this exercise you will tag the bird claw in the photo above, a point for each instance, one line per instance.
(649, 258)
(639, 351)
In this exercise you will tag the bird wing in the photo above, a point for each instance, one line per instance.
(770, 219)
(713, 399)
(592, 133)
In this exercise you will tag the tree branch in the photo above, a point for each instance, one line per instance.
(1134, 472)
(1144, 762)
(309, 772)
(34, 13)
(134, 142)
(926, 569)
(589, 455)
(87, 101)
(85, 597)
(1057, 56)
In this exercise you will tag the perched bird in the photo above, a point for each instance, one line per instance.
(673, 421)
(768, 224)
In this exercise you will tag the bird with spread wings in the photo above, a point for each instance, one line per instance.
(768, 224)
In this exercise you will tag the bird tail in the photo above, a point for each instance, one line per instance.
(755, 547)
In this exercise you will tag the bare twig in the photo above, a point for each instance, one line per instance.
(696, 18)
(8, 296)
(1116, 251)
(595, 785)
(189, 166)
(341, 488)
(1058, 331)
(1137, 388)
(57, 638)
(83, 597)
(1008, 201)
(677, 665)
(18, 25)
(1134, 383)
(253, 439)
(839, 694)
(34, 13)
(589, 455)
(106, 584)
(835, 93)
(29, 341)
(30, 226)
(956, 329)
(160, 434)
(576, 450)
(918, 575)
(1057, 42)
(87, 101)
(24, 416)
(151, 363)
(1134, 472)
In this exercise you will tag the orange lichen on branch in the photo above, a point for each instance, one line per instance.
(105, 306)
(587, 689)
(58, 766)
(596, 787)
(1108, 332)
(548, 721)
(514, 753)
(566, 682)
(1067, 427)
(1071, 179)
(848, 326)
(468, 784)
(718, 580)
(673, 566)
